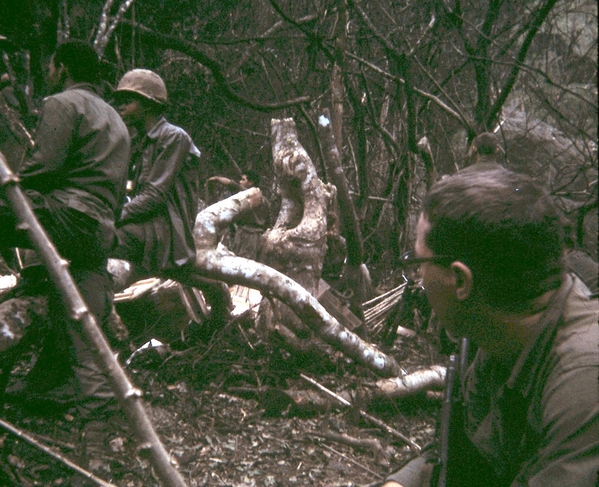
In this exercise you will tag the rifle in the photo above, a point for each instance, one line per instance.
(451, 418)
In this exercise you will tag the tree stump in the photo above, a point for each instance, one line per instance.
(296, 245)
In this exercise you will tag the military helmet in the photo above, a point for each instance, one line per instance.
(145, 83)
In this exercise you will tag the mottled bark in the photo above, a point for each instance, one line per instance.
(295, 245)
(107, 26)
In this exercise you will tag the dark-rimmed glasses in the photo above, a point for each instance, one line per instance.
(417, 261)
(410, 265)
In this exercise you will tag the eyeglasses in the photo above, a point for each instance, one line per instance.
(410, 265)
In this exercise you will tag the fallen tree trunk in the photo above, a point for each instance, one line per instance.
(219, 263)
(128, 396)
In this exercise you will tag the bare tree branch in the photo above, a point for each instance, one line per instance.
(105, 30)
(166, 41)
(539, 17)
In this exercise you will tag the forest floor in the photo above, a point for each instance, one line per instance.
(227, 406)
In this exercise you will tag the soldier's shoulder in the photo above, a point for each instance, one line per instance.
(165, 129)
(76, 96)
(168, 132)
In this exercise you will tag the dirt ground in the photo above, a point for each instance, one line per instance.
(234, 411)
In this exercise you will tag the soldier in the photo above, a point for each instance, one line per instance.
(155, 229)
(489, 249)
(75, 181)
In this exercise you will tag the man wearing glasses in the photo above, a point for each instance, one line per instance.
(489, 247)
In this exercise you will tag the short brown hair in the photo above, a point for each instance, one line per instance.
(80, 59)
(505, 227)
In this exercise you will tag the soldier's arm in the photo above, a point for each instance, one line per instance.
(170, 156)
(224, 181)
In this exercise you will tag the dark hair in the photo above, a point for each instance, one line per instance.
(253, 177)
(80, 59)
(505, 227)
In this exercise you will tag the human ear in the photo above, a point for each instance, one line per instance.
(463, 280)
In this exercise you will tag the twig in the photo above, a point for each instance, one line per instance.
(55, 442)
(57, 456)
(245, 336)
(382, 454)
(413, 445)
(345, 457)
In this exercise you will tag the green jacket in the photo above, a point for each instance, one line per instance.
(164, 196)
(537, 423)
(79, 161)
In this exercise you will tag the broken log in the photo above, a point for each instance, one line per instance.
(219, 263)
(216, 261)
(128, 397)
(419, 381)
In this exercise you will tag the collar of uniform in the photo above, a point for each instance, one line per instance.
(82, 86)
(156, 129)
(162, 126)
